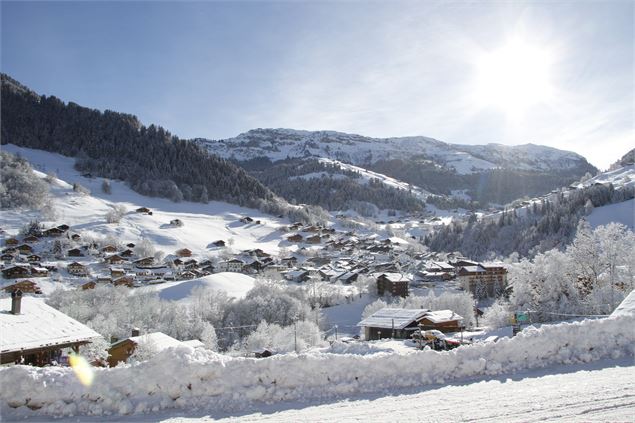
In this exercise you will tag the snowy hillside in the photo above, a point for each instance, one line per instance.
(203, 224)
(235, 284)
(279, 144)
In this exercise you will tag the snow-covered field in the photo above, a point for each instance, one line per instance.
(203, 223)
(623, 213)
(235, 284)
(200, 381)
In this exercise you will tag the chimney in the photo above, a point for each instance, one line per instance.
(16, 301)
(136, 332)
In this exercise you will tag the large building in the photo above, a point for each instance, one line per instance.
(483, 279)
(394, 284)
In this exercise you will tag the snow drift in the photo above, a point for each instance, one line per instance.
(185, 378)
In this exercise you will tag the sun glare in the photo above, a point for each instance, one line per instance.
(514, 77)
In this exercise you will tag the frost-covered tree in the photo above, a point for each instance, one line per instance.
(106, 186)
(116, 213)
(145, 248)
(19, 186)
(96, 351)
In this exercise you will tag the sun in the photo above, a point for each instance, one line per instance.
(514, 77)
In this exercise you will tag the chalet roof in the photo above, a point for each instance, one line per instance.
(402, 317)
(194, 343)
(442, 316)
(38, 325)
(395, 277)
(159, 340)
(626, 307)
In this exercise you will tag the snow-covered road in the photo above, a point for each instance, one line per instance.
(601, 391)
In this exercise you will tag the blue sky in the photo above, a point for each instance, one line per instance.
(215, 69)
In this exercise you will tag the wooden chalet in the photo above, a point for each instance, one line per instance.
(143, 210)
(25, 249)
(109, 249)
(39, 272)
(76, 237)
(443, 320)
(116, 272)
(127, 253)
(219, 243)
(75, 252)
(26, 286)
(35, 333)
(295, 238)
(184, 252)
(145, 261)
(289, 261)
(121, 350)
(77, 269)
(399, 323)
(53, 232)
(88, 285)
(63, 227)
(7, 258)
(31, 239)
(11, 241)
(315, 239)
(33, 258)
(124, 281)
(114, 259)
(246, 219)
(18, 271)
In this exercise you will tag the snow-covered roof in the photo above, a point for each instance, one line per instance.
(401, 317)
(396, 277)
(473, 269)
(158, 340)
(194, 343)
(38, 325)
(441, 316)
(626, 307)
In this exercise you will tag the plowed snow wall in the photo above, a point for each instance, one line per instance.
(191, 379)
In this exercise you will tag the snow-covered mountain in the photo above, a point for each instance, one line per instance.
(280, 144)
(415, 166)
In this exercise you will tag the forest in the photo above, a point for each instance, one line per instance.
(540, 227)
(117, 146)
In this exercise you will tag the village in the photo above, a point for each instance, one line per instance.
(389, 266)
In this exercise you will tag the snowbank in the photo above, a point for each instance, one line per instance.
(185, 378)
(235, 284)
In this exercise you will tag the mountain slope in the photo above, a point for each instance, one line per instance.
(117, 146)
(489, 173)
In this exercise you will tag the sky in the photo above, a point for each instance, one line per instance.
(555, 73)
